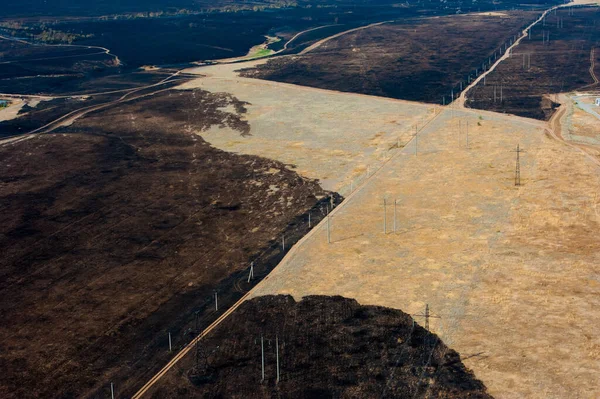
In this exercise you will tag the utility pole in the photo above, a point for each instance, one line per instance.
(427, 315)
(328, 228)
(416, 141)
(283, 243)
(395, 201)
(112, 390)
(216, 302)
(384, 217)
(170, 347)
(277, 352)
(262, 351)
(518, 167)
(251, 274)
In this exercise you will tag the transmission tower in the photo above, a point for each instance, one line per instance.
(518, 166)
(427, 315)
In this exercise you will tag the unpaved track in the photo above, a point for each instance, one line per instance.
(72, 116)
(556, 124)
(248, 57)
(593, 66)
(460, 101)
(285, 46)
(323, 41)
(104, 50)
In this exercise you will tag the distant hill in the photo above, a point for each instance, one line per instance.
(44, 8)
(28, 8)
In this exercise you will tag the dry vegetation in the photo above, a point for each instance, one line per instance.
(419, 59)
(539, 68)
(329, 347)
(117, 229)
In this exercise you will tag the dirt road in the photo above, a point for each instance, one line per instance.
(103, 50)
(460, 101)
(323, 41)
(593, 65)
(72, 116)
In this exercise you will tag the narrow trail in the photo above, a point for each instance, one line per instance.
(104, 50)
(460, 101)
(556, 124)
(249, 57)
(285, 46)
(593, 65)
(72, 116)
(323, 41)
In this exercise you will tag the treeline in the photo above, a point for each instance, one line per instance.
(41, 33)
(52, 36)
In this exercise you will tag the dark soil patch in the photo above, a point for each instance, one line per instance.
(329, 347)
(118, 229)
(538, 67)
(419, 59)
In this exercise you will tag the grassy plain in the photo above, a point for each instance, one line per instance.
(511, 271)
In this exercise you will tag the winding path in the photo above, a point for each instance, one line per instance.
(593, 65)
(323, 41)
(104, 50)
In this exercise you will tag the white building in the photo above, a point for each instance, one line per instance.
(598, 102)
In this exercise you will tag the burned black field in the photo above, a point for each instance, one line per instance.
(555, 59)
(118, 229)
(328, 347)
(419, 60)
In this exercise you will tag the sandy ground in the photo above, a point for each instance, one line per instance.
(583, 2)
(576, 122)
(512, 271)
(331, 136)
(583, 121)
(11, 111)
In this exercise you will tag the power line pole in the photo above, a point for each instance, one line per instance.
(251, 274)
(277, 352)
(395, 201)
(427, 315)
(518, 166)
(384, 217)
(328, 228)
(262, 351)
(416, 141)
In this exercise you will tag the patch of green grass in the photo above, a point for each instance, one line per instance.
(262, 53)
